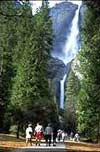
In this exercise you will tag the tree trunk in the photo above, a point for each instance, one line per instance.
(98, 133)
(17, 133)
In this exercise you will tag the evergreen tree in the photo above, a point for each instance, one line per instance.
(72, 89)
(45, 4)
(89, 96)
(31, 99)
(7, 41)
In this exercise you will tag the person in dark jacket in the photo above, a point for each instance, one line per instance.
(54, 136)
(48, 134)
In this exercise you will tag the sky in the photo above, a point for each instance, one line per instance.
(37, 4)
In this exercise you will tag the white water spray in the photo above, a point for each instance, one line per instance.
(71, 46)
(70, 49)
(62, 92)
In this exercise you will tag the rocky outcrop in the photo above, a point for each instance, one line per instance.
(61, 15)
(81, 15)
(56, 72)
(56, 69)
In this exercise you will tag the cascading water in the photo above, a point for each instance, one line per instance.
(70, 49)
(62, 92)
(71, 46)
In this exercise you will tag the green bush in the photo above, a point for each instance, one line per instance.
(13, 129)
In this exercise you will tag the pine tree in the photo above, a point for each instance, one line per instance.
(31, 99)
(89, 96)
(7, 41)
(71, 93)
(13, 26)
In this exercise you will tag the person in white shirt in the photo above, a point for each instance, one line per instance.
(38, 133)
(29, 132)
(77, 137)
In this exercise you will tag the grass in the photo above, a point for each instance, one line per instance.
(8, 137)
(82, 146)
(9, 142)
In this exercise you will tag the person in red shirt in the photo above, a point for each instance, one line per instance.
(38, 133)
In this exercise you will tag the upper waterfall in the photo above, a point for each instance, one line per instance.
(72, 46)
(67, 49)
(63, 48)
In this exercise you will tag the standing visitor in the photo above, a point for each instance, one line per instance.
(71, 135)
(54, 136)
(59, 135)
(77, 137)
(38, 133)
(48, 134)
(29, 132)
(63, 136)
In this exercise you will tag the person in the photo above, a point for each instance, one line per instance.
(77, 137)
(63, 136)
(54, 136)
(71, 135)
(59, 135)
(48, 134)
(38, 133)
(29, 132)
(66, 136)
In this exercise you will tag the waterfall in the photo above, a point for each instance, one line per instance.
(71, 45)
(62, 92)
(70, 49)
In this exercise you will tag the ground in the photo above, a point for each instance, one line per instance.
(9, 141)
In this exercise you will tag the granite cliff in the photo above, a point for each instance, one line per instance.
(61, 15)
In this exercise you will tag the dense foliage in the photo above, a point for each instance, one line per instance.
(7, 41)
(26, 43)
(25, 93)
(89, 97)
(87, 100)
(72, 89)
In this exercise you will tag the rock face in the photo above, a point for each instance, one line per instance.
(56, 69)
(81, 17)
(56, 72)
(61, 15)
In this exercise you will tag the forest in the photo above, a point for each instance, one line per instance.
(26, 93)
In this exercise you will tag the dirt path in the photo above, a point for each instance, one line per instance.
(7, 142)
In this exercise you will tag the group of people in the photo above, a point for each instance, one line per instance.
(48, 134)
(40, 133)
(74, 137)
